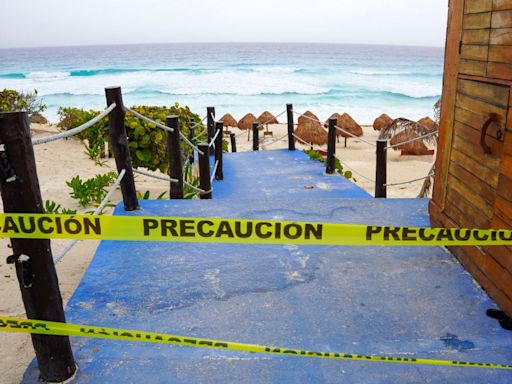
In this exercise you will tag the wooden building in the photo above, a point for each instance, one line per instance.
(473, 182)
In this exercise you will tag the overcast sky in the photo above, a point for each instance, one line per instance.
(37, 23)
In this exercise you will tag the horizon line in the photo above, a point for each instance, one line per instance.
(222, 42)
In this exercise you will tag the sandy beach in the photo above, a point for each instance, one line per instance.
(59, 161)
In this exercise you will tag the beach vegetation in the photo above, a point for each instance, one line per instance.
(147, 196)
(190, 190)
(90, 191)
(11, 100)
(54, 208)
(315, 155)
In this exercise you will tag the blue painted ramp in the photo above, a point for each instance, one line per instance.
(409, 302)
(280, 174)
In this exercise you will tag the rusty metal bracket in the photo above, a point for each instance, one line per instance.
(493, 117)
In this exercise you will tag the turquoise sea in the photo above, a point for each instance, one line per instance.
(362, 80)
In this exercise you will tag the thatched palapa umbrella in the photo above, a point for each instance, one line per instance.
(348, 124)
(417, 147)
(333, 116)
(310, 130)
(228, 120)
(267, 118)
(428, 123)
(402, 130)
(246, 121)
(382, 122)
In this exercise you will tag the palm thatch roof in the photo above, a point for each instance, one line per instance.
(311, 131)
(347, 123)
(428, 123)
(382, 122)
(333, 116)
(267, 118)
(417, 147)
(307, 116)
(228, 120)
(405, 125)
(246, 121)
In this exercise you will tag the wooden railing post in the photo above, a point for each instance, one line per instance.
(210, 123)
(331, 148)
(204, 171)
(33, 258)
(191, 133)
(381, 169)
(119, 143)
(219, 127)
(175, 158)
(255, 136)
(233, 142)
(291, 138)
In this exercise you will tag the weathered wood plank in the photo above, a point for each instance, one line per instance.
(482, 189)
(480, 107)
(486, 175)
(501, 5)
(507, 146)
(463, 212)
(501, 36)
(475, 151)
(506, 165)
(500, 53)
(501, 19)
(504, 209)
(476, 6)
(473, 67)
(500, 253)
(479, 204)
(499, 71)
(477, 21)
(476, 36)
(490, 93)
(474, 52)
(505, 187)
(473, 136)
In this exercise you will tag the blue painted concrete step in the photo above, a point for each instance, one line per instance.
(367, 300)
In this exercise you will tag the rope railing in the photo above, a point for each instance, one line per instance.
(76, 130)
(354, 171)
(190, 144)
(147, 119)
(272, 118)
(262, 140)
(199, 190)
(212, 177)
(162, 178)
(410, 181)
(212, 141)
(302, 141)
(412, 140)
(200, 134)
(97, 211)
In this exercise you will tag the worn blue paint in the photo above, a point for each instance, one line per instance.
(366, 300)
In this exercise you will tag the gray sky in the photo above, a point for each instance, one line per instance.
(35, 23)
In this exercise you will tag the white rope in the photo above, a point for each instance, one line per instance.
(411, 140)
(201, 134)
(212, 177)
(212, 141)
(76, 130)
(190, 144)
(148, 120)
(163, 178)
(97, 211)
(203, 119)
(354, 171)
(302, 141)
(410, 181)
(272, 118)
(201, 191)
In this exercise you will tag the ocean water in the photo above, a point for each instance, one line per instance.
(362, 80)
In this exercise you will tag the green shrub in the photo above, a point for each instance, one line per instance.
(11, 100)
(91, 190)
(314, 155)
(73, 117)
(53, 207)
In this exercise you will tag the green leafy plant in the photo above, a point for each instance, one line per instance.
(11, 100)
(147, 196)
(53, 207)
(96, 135)
(90, 191)
(188, 176)
(315, 155)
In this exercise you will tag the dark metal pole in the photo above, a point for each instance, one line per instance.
(233, 142)
(191, 133)
(175, 159)
(255, 136)
(119, 143)
(204, 171)
(331, 148)
(381, 170)
(219, 174)
(33, 259)
(210, 123)
(291, 138)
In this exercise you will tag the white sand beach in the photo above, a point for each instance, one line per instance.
(59, 161)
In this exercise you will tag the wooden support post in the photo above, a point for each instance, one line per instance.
(210, 123)
(233, 142)
(204, 171)
(291, 138)
(119, 143)
(219, 174)
(381, 169)
(331, 148)
(191, 133)
(255, 136)
(33, 258)
(175, 158)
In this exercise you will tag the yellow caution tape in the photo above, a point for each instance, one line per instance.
(12, 324)
(181, 229)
